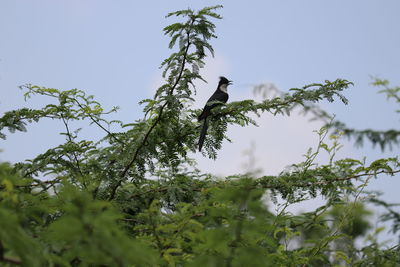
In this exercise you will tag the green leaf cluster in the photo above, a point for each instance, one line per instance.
(135, 197)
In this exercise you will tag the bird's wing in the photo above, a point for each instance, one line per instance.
(212, 102)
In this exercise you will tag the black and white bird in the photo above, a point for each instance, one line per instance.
(220, 96)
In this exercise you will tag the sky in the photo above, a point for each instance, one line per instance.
(113, 50)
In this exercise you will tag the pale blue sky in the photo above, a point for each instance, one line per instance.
(112, 49)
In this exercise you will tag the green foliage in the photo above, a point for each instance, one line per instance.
(135, 197)
(384, 138)
(86, 231)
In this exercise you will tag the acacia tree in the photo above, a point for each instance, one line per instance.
(98, 207)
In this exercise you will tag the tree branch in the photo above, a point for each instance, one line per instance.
(158, 119)
(72, 141)
(98, 124)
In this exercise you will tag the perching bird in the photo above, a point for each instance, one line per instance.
(220, 95)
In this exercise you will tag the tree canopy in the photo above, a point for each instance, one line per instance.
(135, 197)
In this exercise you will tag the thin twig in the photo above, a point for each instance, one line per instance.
(98, 124)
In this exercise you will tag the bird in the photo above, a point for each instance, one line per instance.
(220, 96)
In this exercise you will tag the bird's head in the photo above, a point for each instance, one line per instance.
(223, 84)
(223, 80)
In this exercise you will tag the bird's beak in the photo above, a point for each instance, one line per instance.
(230, 82)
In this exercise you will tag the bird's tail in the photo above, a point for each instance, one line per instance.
(203, 133)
